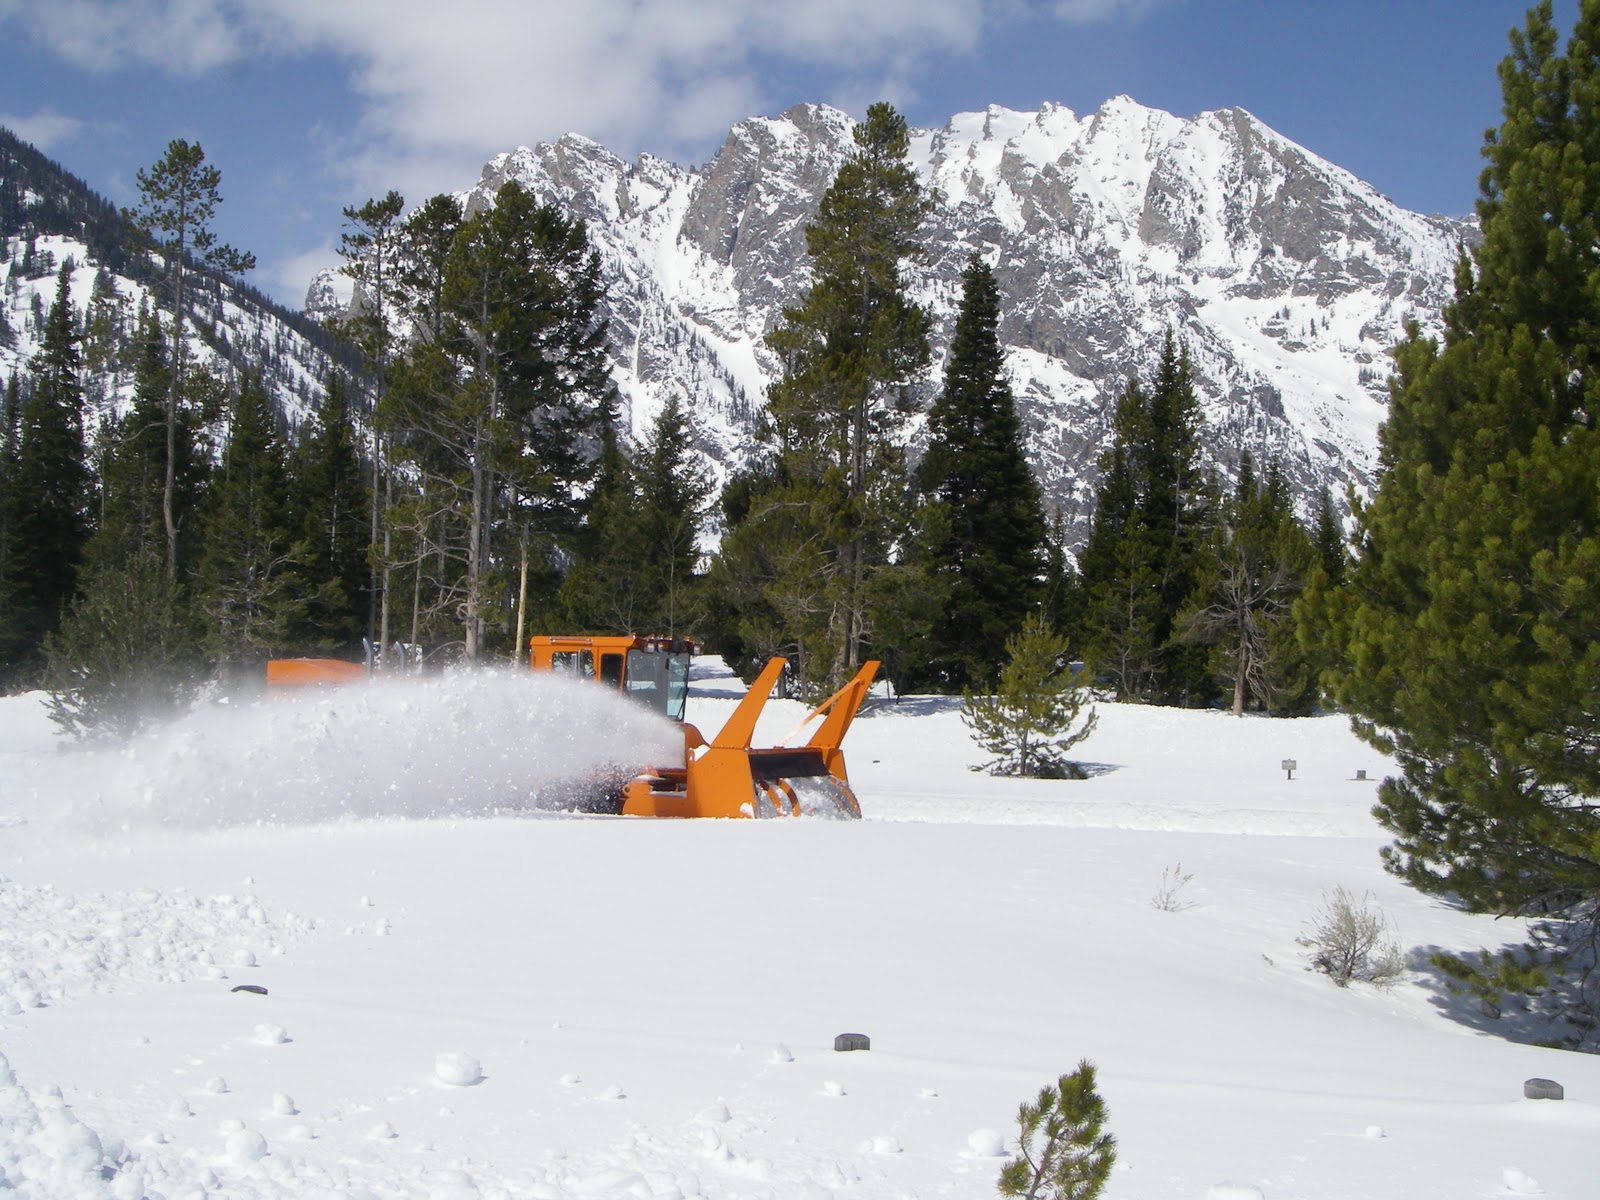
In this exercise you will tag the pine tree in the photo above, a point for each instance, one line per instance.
(1065, 1152)
(49, 495)
(331, 495)
(177, 200)
(849, 353)
(1031, 718)
(497, 408)
(125, 656)
(606, 589)
(993, 533)
(127, 652)
(133, 466)
(370, 248)
(1141, 564)
(770, 587)
(10, 445)
(249, 589)
(1469, 621)
(1328, 539)
(1243, 608)
(674, 494)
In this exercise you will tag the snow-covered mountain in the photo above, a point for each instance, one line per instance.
(1287, 277)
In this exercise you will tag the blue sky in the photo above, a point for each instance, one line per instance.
(307, 106)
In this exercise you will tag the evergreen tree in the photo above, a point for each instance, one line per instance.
(498, 406)
(771, 582)
(909, 604)
(1469, 622)
(1244, 606)
(177, 199)
(370, 248)
(127, 652)
(674, 494)
(992, 537)
(849, 353)
(10, 445)
(1065, 1152)
(605, 590)
(1328, 540)
(125, 656)
(249, 588)
(331, 495)
(49, 496)
(133, 466)
(1027, 721)
(1142, 560)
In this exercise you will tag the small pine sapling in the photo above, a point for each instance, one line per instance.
(1027, 722)
(1065, 1153)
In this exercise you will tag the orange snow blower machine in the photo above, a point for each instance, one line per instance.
(723, 777)
(726, 776)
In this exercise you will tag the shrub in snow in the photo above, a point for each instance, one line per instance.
(1353, 939)
(457, 1070)
(1027, 721)
(1173, 881)
(122, 659)
(1064, 1153)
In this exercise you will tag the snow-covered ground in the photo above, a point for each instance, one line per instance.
(461, 999)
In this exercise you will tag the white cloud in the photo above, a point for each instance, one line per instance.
(43, 129)
(183, 37)
(444, 84)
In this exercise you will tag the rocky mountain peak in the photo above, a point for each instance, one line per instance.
(1287, 278)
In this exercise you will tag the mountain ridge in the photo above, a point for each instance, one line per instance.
(1287, 277)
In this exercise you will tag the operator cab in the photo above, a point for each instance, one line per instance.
(653, 671)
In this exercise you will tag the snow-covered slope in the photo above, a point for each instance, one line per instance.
(228, 330)
(459, 1004)
(1287, 277)
(50, 219)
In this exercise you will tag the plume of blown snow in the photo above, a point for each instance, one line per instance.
(469, 743)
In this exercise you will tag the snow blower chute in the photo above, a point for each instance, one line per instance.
(725, 776)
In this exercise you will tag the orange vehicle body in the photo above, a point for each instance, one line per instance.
(311, 672)
(723, 776)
